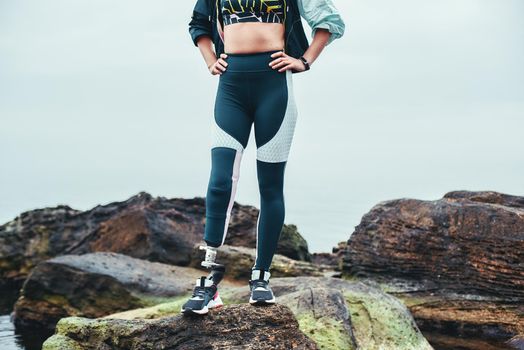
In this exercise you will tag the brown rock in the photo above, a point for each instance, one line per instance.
(333, 259)
(96, 284)
(145, 227)
(157, 229)
(321, 305)
(343, 314)
(461, 257)
(237, 326)
(459, 244)
(488, 197)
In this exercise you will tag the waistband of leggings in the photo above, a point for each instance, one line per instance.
(250, 62)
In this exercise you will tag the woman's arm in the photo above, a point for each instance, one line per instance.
(200, 29)
(205, 45)
(320, 40)
(214, 65)
(326, 25)
(284, 62)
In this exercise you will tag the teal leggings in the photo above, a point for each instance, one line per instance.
(250, 92)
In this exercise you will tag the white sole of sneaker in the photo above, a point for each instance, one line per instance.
(200, 312)
(270, 301)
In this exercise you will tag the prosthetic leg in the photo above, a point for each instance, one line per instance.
(217, 270)
(205, 294)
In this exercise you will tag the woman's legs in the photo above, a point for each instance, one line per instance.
(251, 92)
(275, 120)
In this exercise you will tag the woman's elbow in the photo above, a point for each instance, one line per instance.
(335, 29)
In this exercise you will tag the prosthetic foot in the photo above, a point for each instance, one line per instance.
(205, 293)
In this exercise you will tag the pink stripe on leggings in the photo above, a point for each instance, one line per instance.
(234, 178)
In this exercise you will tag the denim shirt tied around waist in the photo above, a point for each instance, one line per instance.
(206, 20)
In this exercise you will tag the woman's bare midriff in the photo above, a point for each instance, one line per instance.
(251, 37)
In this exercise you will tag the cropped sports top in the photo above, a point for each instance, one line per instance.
(268, 11)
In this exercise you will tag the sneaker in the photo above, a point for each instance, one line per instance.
(261, 292)
(205, 296)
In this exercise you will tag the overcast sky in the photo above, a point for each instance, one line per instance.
(100, 100)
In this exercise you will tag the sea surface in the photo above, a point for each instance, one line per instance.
(8, 339)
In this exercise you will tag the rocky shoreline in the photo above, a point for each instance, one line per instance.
(442, 274)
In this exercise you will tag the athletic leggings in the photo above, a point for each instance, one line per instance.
(251, 92)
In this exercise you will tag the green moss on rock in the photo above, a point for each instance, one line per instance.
(329, 334)
(71, 325)
(60, 342)
(383, 322)
(170, 306)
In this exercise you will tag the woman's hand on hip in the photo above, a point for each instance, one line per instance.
(219, 66)
(283, 62)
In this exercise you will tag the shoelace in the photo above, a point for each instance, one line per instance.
(199, 291)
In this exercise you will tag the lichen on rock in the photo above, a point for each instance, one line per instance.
(332, 314)
(239, 326)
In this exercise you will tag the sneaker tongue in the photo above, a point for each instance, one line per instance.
(260, 274)
(204, 282)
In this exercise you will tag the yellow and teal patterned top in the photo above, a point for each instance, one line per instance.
(238, 11)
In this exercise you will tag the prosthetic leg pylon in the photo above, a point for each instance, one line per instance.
(217, 270)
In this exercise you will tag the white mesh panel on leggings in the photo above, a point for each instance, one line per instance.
(220, 138)
(277, 149)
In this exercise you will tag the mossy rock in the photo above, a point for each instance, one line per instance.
(238, 326)
(334, 313)
(292, 244)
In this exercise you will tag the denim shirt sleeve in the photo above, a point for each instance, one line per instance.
(322, 14)
(200, 23)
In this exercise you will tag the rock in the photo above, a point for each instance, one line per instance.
(156, 229)
(488, 197)
(455, 321)
(292, 245)
(95, 285)
(333, 259)
(459, 244)
(334, 313)
(231, 327)
(323, 314)
(27, 240)
(341, 314)
(152, 228)
(240, 260)
(9, 290)
(517, 342)
(456, 261)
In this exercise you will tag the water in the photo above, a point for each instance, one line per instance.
(8, 339)
(11, 339)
